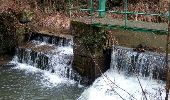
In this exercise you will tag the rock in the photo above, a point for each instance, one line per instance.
(25, 17)
(140, 48)
(143, 47)
(7, 33)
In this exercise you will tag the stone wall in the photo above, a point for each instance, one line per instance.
(92, 47)
(150, 41)
(7, 33)
(11, 33)
(91, 55)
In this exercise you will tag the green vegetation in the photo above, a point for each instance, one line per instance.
(25, 16)
(95, 40)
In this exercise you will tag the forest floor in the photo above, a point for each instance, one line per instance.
(48, 20)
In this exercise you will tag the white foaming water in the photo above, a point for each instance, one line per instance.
(113, 89)
(114, 85)
(48, 79)
(59, 63)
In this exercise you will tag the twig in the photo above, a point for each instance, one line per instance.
(166, 59)
(140, 84)
(107, 77)
(141, 88)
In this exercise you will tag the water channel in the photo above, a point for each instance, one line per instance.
(29, 80)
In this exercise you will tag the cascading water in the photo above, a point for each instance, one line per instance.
(146, 64)
(130, 73)
(55, 57)
(43, 71)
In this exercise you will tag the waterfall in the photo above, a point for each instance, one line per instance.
(128, 70)
(50, 53)
(146, 64)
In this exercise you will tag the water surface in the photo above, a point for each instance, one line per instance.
(29, 83)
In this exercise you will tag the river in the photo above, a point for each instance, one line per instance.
(25, 82)
(29, 80)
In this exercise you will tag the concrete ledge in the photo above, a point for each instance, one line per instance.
(91, 58)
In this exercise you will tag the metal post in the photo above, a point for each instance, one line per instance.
(102, 8)
(91, 7)
(125, 10)
(166, 59)
(91, 10)
(70, 8)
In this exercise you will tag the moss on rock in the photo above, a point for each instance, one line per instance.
(7, 32)
(25, 16)
(89, 40)
(11, 32)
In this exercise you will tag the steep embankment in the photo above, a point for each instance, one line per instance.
(18, 18)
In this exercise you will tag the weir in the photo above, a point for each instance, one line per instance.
(90, 56)
(47, 53)
(57, 57)
(50, 53)
(129, 73)
(76, 59)
(65, 40)
(92, 53)
(144, 64)
(86, 54)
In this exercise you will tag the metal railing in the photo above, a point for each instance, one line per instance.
(102, 12)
